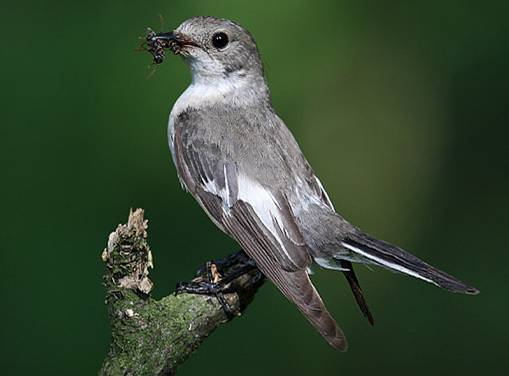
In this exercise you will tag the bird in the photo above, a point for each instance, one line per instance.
(241, 163)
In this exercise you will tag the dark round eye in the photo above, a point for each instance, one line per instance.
(220, 40)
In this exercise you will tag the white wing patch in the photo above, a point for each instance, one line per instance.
(228, 200)
(264, 204)
(260, 199)
(328, 201)
(387, 264)
(211, 187)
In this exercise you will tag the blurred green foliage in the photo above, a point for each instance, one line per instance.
(401, 107)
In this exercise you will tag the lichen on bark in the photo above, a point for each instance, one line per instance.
(150, 336)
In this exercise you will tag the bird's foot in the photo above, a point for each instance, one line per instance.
(210, 288)
(216, 278)
(232, 266)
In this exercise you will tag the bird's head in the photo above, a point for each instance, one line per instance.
(214, 48)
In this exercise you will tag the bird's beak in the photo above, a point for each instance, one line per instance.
(168, 37)
(174, 40)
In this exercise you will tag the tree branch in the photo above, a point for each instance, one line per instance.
(153, 337)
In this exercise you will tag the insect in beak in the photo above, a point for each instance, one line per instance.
(156, 44)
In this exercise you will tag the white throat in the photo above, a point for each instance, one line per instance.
(209, 90)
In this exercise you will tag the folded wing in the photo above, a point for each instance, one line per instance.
(262, 223)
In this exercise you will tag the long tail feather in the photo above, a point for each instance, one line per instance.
(350, 276)
(394, 258)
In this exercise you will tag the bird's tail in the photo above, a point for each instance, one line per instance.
(352, 280)
(396, 259)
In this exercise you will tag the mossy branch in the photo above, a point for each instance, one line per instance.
(149, 336)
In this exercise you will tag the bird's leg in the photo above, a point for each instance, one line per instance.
(205, 287)
(236, 259)
(229, 268)
(211, 281)
(242, 266)
(207, 283)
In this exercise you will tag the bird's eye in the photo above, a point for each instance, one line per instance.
(220, 40)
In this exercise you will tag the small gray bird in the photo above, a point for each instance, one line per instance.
(243, 166)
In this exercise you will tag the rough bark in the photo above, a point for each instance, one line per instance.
(149, 336)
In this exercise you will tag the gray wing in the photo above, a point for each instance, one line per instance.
(259, 219)
(316, 189)
(212, 180)
(346, 266)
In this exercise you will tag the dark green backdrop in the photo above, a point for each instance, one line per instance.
(401, 107)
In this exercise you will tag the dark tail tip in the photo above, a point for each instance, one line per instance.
(450, 283)
(472, 291)
(394, 258)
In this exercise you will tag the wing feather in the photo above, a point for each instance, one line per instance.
(262, 223)
(295, 285)
(348, 271)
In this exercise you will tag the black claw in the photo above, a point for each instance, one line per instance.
(208, 268)
(231, 267)
(228, 311)
(207, 288)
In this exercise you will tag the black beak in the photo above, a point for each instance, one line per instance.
(157, 43)
(172, 40)
(169, 38)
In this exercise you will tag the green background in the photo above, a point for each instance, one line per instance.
(401, 107)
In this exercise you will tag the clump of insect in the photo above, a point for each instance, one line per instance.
(156, 45)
